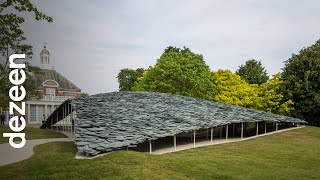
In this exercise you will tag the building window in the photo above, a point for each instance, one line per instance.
(51, 92)
(49, 111)
(40, 113)
(33, 113)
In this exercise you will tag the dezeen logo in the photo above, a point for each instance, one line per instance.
(17, 124)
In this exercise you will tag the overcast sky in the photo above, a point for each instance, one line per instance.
(90, 41)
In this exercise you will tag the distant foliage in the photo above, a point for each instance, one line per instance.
(13, 41)
(253, 72)
(178, 71)
(301, 76)
(127, 78)
(266, 97)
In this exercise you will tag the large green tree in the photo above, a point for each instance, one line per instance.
(301, 76)
(265, 97)
(127, 77)
(178, 71)
(253, 72)
(13, 40)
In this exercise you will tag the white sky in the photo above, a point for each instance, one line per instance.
(90, 41)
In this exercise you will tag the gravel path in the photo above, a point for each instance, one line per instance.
(10, 155)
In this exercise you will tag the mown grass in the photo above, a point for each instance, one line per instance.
(290, 155)
(31, 133)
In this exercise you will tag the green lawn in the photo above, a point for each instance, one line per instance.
(289, 155)
(31, 133)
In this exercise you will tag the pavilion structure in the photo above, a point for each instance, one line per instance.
(146, 121)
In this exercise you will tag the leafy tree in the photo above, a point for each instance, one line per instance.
(178, 71)
(253, 72)
(12, 40)
(265, 97)
(127, 78)
(272, 98)
(301, 76)
(83, 94)
(233, 90)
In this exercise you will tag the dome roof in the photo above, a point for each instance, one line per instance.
(45, 51)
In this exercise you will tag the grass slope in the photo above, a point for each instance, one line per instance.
(31, 133)
(293, 154)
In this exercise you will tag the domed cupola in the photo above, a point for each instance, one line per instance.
(45, 58)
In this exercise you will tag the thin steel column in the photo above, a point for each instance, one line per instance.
(265, 127)
(257, 128)
(194, 138)
(227, 129)
(175, 142)
(211, 135)
(150, 146)
(241, 130)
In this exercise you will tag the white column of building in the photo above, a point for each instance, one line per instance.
(211, 135)
(37, 113)
(28, 113)
(45, 111)
(241, 130)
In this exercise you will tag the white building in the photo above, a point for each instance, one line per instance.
(53, 89)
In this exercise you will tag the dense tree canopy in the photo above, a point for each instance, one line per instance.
(178, 71)
(301, 76)
(265, 97)
(127, 78)
(253, 72)
(233, 90)
(12, 40)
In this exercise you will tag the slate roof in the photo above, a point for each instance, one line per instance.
(47, 74)
(106, 122)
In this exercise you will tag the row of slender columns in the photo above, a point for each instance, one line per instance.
(211, 137)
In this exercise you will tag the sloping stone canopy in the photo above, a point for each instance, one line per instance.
(107, 122)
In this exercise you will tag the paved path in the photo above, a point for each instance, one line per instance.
(10, 155)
